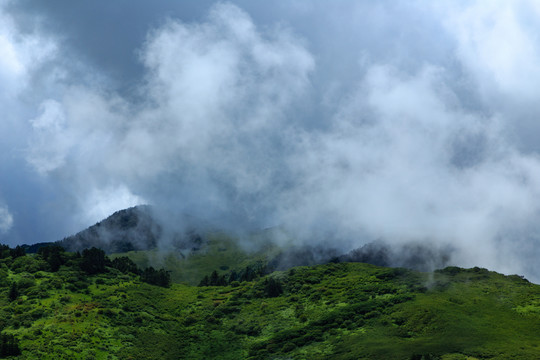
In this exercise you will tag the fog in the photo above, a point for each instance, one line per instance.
(342, 123)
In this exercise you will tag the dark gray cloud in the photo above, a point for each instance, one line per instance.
(103, 33)
(350, 121)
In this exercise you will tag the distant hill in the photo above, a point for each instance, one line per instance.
(192, 253)
(130, 229)
(416, 256)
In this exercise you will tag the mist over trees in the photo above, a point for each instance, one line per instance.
(329, 135)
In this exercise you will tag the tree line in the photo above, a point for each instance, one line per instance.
(90, 261)
(272, 287)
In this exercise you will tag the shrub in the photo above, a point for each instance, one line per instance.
(212, 320)
(36, 292)
(247, 329)
(273, 288)
(190, 320)
(37, 314)
(28, 264)
(26, 283)
(289, 346)
(4, 280)
(56, 283)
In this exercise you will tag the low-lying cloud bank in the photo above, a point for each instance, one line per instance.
(253, 126)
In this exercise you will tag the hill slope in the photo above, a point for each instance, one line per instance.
(195, 248)
(125, 230)
(130, 229)
(332, 311)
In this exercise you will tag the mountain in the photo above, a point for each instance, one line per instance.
(129, 230)
(125, 230)
(228, 300)
(343, 311)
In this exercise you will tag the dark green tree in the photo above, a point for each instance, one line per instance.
(54, 255)
(222, 281)
(9, 346)
(233, 276)
(17, 252)
(247, 274)
(93, 261)
(273, 287)
(125, 265)
(214, 278)
(159, 277)
(205, 281)
(13, 291)
(5, 251)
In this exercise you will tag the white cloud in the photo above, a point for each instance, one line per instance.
(215, 95)
(499, 43)
(100, 203)
(221, 88)
(51, 143)
(498, 47)
(6, 219)
(402, 162)
(20, 55)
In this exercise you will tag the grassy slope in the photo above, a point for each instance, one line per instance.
(221, 253)
(334, 311)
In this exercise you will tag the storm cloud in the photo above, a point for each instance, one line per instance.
(341, 123)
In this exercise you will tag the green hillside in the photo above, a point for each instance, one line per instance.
(332, 311)
(220, 252)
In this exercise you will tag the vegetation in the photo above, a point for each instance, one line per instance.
(332, 311)
(221, 254)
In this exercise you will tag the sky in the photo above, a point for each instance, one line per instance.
(339, 122)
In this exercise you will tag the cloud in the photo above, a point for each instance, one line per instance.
(498, 48)
(6, 219)
(50, 144)
(207, 132)
(20, 54)
(341, 123)
(101, 203)
(404, 162)
(497, 43)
